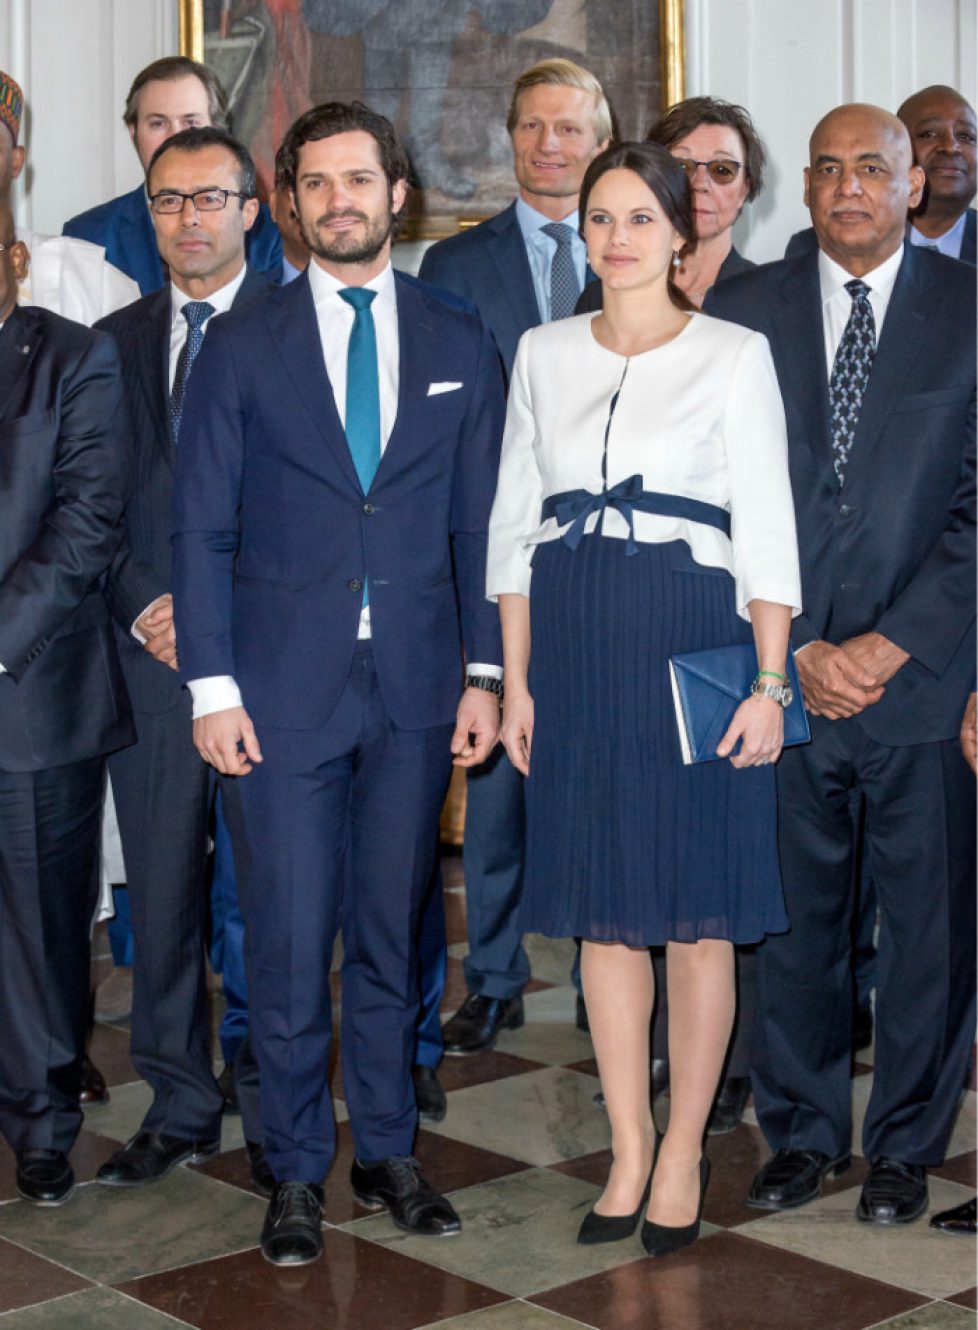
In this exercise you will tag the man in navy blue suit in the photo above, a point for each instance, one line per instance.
(874, 346)
(333, 490)
(525, 266)
(169, 95)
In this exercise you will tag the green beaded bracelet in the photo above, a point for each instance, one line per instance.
(770, 674)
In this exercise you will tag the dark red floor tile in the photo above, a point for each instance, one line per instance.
(89, 1152)
(730, 1281)
(538, 986)
(356, 1286)
(588, 1168)
(26, 1279)
(457, 1073)
(962, 1168)
(452, 870)
(589, 1066)
(455, 926)
(109, 1050)
(969, 1299)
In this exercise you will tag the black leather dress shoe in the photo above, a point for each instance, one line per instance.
(261, 1175)
(894, 1193)
(793, 1177)
(477, 1022)
(44, 1177)
(93, 1087)
(228, 1088)
(729, 1105)
(398, 1185)
(149, 1156)
(292, 1233)
(862, 1028)
(432, 1100)
(961, 1220)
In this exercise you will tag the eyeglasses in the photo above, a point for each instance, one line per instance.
(721, 170)
(204, 200)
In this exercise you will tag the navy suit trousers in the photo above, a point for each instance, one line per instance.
(355, 791)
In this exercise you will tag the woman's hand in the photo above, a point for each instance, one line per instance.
(517, 730)
(759, 722)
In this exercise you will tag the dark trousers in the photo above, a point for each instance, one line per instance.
(920, 842)
(433, 962)
(49, 838)
(360, 790)
(163, 792)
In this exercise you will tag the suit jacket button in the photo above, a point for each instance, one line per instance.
(845, 510)
(368, 508)
(355, 584)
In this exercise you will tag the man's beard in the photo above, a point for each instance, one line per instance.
(348, 246)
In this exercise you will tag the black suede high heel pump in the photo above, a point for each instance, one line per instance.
(664, 1239)
(597, 1228)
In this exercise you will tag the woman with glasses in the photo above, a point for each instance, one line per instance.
(644, 509)
(717, 146)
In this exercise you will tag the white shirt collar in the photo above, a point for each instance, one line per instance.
(833, 277)
(326, 287)
(221, 299)
(949, 243)
(531, 220)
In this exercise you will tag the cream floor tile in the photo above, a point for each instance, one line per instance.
(911, 1256)
(935, 1316)
(518, 1235)
(540, 1118)
(122, 1116)
(551, 959)
(94, 1309)
(511, 1316)
(549, 1034)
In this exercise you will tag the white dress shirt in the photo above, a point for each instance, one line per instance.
(222, 299)
(540, 251)
(700, 417)
(72, 278)
(949, 243)
(837, 302)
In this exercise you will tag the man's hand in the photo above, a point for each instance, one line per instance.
(476, 727)
(218, 735)
(969, 733)
(518, 730)
(155, 624)
(877, 655)
(834, 684)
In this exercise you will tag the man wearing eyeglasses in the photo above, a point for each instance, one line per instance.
(201, 187)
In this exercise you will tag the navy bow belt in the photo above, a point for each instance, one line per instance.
(627, 498)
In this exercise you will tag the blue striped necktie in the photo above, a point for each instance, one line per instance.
(362, 391)
(196, 312)
(564, 286)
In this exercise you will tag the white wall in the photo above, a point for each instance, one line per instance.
(790, 61)
(75, 60)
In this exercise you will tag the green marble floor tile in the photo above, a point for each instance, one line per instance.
(111, 1234)
(512, 1316)
(935, 1316)
(95, 1309)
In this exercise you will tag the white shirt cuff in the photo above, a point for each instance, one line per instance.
(492, 671)
(218, 692)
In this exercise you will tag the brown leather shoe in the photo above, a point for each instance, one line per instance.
(93, 1087)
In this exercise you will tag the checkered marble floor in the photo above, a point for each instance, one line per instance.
(523, 1153)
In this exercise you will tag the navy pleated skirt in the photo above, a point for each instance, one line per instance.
(624, 842)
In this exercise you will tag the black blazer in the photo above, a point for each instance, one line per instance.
(591, 297)
(804, 241)
(63, 477)
(894, 551)
(140, 573)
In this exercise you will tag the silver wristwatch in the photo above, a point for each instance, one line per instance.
(778, 692)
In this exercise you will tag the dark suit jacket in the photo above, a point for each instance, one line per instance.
(141, 571)
(894, 551)
(63, 477)
(734, 264)
(488, 265)
(125, 228)
(804, 241)
(273, 535)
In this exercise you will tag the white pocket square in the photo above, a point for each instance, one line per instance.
(435, 388)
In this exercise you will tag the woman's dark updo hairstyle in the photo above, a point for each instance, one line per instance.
(665, 178)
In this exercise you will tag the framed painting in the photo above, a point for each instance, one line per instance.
(441, 70)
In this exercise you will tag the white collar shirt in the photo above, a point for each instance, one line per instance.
(222, 299)
(949, 243)
(541, 248)
(837, 302)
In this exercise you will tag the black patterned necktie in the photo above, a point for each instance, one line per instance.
(564, 286)
(850, 375)
(196, 312)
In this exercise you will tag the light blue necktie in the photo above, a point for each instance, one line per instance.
(362, 391)
(564, 286)
(196, 312)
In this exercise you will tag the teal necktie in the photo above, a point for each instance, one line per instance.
(362, 391)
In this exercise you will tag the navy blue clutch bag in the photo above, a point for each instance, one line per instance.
(709, 686)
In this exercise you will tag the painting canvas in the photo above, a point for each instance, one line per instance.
(441, 70)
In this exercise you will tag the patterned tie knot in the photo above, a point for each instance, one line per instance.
(857, 289)
(197, 312)
(559, 231)
(357, 296)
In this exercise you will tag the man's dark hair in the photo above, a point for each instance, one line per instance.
(322, 122)
(168, 70)
(665, 178)
(686, 116)
(209, 136)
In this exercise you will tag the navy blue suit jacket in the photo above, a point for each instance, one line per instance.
(804, 241)
(125, 228)
(273, 535)
(141, 571)
(63, 478)
(894, 551)
(488, 265)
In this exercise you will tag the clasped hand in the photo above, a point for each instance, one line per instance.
(155, 625)
(841, 681)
